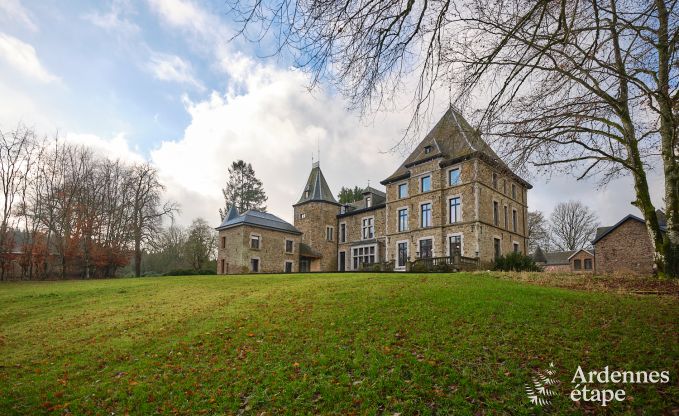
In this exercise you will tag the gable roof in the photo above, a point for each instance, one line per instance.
(451, 139)
(602, 232)
(539, 256)
(258, 219)
(577, 251)
(316, 188)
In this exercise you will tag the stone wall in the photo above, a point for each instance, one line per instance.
(271, 254)
(312, 218)
(581, 255)
(354, 234)
(625, 250)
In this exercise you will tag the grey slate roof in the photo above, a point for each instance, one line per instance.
(257, 219)
(452, 138)
(316, 188)
(601, 232)
(539, 256)
(306, 251)
(558, 257)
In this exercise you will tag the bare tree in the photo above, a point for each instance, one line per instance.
(588, 87)
(538, 231)
(572, 225)
(148, 209)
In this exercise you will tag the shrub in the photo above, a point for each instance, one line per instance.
(443, 268)
(419, 267)
(516, 262)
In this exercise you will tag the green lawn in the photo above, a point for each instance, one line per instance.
(339, 344)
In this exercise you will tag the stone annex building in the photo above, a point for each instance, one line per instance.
(452, 196)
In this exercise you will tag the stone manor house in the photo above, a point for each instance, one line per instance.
(452, 197)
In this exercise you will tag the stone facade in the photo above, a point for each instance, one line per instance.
(626, 249)
(581, 262)
(313, 219)
(354, 239)
(236, 252)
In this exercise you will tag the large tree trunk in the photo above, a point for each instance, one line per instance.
(137, 256)
(668, 130)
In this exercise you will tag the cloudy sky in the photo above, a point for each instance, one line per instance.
(159, 80)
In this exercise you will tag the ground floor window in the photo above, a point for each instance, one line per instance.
(588, 264)
(496, 248)
(577, 264)
(402, 254)
(426, 248)
(363, 255)
(223, 267)
(516, 247)
(288, 267)
(254, 265)
(455, 245)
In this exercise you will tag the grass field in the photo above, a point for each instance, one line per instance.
(317, 344)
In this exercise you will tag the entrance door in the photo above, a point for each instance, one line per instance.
(304, 265)
(455, 245)
(342, 261)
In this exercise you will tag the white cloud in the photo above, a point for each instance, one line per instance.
(115, 19)
(14, 11)
(167, 67)
(23, 58)
(114, 148)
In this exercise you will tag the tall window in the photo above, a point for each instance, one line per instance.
(363, 255)
(328, 233)
(494, 180)
(426, 248)
(288, 267)
(425, 215)
(368, 228)
(402, 190)
(402, 254)
(513, 191)
(496, 214)
(504, 186)
(577, 264)
(454, 176)
(506, 218)
(496, 248)
(514, 220)
(403, 219)
(455, 210)
(255, 241)
(455, 245)
(516, 247)
(254, 265)
(343, 233)
(425, 184)
(223, 242)
(289, 246)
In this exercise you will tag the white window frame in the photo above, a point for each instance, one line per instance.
(364, 246)
(368, 201)
(459, 178)
(259, 237)
(396, 266)
(450, 211)
(285, 246)
(398, 190)
(331, 234)
(398, 219)
(447, 243)
(431, 216)
(363, 237)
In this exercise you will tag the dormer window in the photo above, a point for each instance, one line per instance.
(306, 193)
(427, 150)
(368, 202)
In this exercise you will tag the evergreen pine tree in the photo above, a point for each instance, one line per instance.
(244, 190)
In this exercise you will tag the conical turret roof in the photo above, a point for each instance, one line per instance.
(316, 188)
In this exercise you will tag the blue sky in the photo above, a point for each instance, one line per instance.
(158, 80)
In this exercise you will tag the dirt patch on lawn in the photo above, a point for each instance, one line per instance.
(618, 284)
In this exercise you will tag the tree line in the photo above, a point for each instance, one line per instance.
(70, 213)
(571, 226)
